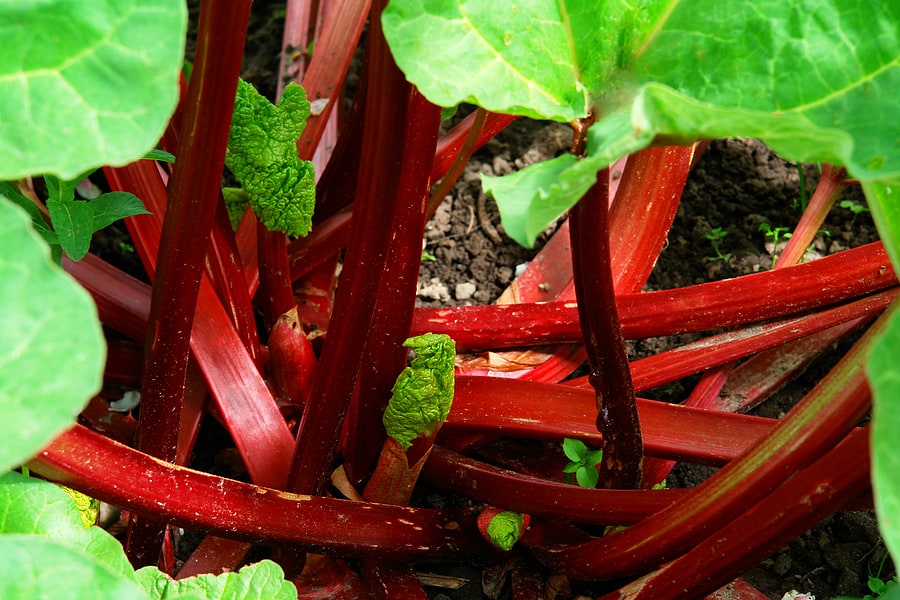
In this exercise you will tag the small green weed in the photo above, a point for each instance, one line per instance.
(714, 237)
(583, 462)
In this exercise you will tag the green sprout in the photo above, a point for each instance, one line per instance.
(505, 529)
(423, 392)
(262, 156)
(583, 462)
(776, 235)
(856, 208)
(714, 237)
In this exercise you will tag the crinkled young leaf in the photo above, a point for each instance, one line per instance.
(261, 581)
(86, 83)
(52, 351)
(262, 155)
(422, 395)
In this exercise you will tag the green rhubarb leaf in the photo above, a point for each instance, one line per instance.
(86, 83)
(52, 351)
(535, 58)
(33, 568)
(261, 581)
(505, 529)
(816, 84)
(262, 155)
(44, 511)
(423, 392)
(884, 375)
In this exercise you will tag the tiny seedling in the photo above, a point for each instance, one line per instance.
(583, 462)
(776, 235)
(714, 237)
(857, 208)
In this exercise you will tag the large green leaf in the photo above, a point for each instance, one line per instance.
(52, 350)
(85, 83)
(261, 581)
(884, 375)
(814, 79)
(33, 568)
(41, 509)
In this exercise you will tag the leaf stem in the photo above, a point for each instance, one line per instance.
(617, 418)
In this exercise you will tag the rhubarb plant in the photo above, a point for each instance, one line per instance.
(290, 430)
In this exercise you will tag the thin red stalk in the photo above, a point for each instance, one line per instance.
(449, 146)
(811, 428)
(541, 497)
(193, 192)
(396, 297)
(117, 474)
(724, 348)
(832, 183)
(508, 407)
(765, 373)
(459, 163)
(727, 303)
(393, 126)
(793, 508)
(617, 418)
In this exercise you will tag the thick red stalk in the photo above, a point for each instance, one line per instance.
(810, 429)
(117, 474)
(793, 508)
(247, 408)
(724, 348)
(393, 125)
(727, 303)
(645, 205)
(193, 193)
(396, 297)
(509, 407)
(541, 497)
(617, 418)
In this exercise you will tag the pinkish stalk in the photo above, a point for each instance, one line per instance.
(830, 280)
(509, 407)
